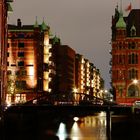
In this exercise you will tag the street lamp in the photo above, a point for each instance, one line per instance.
(135, 81)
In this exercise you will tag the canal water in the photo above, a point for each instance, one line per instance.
(85, 128)
(30, 127)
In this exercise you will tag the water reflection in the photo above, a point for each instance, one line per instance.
(61, 133)
(86, 128)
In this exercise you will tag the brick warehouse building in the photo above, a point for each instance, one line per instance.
(64, 60)
(126, 56)
(38, 63)
(28, 59)
(87, 78)
(4, 9)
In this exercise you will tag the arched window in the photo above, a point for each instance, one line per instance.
(133, 91)
(133, 32)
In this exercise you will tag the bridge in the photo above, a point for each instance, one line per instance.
(35, 113)
(31, 118)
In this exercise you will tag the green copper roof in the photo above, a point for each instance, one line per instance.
(9, 0)
(56, 40)
(9, 7)
(43, 26)
(121, 23)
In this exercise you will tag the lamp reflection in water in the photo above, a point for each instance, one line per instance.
(75, 132)
(85, 128)
(61, 133)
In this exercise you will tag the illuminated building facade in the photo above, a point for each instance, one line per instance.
(37, 64)
(87, 78)
(28, 53)
(4, 9)
(125, 56)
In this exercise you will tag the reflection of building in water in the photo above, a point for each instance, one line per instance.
(86, 128)
(93, 121)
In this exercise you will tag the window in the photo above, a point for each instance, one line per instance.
(7, 63)
(20, 54)
(23, 72)
(7, 54)
(133, 58)
(17, 73)
(21, 45)
(9, 72)
(133, 91)
(45, 67)
(13, 65)
(133, 32)
(133, 74)
(21, 35)
(21, 84)
(132, 45)
(21, 63)
(8, 45)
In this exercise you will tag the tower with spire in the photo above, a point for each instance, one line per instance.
(125, 53)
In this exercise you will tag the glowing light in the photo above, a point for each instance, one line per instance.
(75, 90)
(76, 119)
(61, 133)
(46, 75)
(135, 81)
(31, 71)
(8, 104)
(102, 114)
(74, 131)
(34, 101)
(45, 85)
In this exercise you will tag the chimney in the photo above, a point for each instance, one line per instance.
(19, 23)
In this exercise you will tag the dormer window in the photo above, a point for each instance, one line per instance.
(133, 31)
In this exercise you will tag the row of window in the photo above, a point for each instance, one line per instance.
(121, 75)
(20, 64)
(121, 59)
(122, 46)
(20, 45)
(20, 54)
(22, 72)
(21, 84)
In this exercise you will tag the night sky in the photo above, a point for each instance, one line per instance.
(84, 25)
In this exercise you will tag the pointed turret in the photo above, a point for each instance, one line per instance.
(43, 25)
(36, 24)
(121, 23)
(56, 40)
